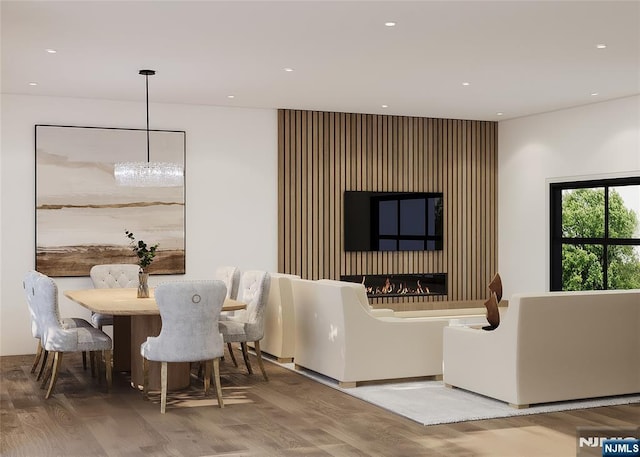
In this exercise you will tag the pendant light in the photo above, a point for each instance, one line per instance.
(148, 174)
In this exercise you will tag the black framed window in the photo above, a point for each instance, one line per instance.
(595, 234)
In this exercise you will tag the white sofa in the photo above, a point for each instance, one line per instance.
(361, 293)
(475, 315)
(338, 336)
(279, 336)
(551, 347)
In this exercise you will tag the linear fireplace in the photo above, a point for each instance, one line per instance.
(401, 285)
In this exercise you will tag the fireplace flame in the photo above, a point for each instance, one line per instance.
(402, 285)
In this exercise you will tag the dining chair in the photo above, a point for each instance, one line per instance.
(247, 325)
(28, 284)
(42, 292)
(112, 276)
(189, 311)
(231, 278)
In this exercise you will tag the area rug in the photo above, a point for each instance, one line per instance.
(431, 403)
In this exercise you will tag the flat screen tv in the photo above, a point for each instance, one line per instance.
(392, 221)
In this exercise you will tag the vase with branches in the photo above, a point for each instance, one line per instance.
(145, 254)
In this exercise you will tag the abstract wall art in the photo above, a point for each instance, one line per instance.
(81, 214)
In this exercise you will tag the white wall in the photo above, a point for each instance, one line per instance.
(231, 193)
(593, 141)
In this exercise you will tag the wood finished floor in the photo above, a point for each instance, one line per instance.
(288, 416)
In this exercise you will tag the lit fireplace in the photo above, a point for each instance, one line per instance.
(404, 285)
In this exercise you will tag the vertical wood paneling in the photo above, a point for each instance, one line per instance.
(282, 175)
(320, 155)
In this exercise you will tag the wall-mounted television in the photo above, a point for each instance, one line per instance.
(393, 221)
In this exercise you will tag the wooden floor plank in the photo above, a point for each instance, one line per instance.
(288, 416)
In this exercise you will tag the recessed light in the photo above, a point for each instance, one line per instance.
(499, 114)
(288, 69)
(601, 46)
(593, 94)
(51, 51)
(231, 96)
(390, 24)
(465, 83)
(33, 83)
(385, 106)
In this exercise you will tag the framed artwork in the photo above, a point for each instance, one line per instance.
(82, 215)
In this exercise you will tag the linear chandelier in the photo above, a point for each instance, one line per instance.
(148, 174)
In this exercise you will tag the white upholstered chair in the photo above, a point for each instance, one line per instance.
(42, 293)
(112, 276)
(189, 311)
(248, 324)
(37, 331)
(230, 276)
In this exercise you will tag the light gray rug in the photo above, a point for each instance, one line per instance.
(431, 403)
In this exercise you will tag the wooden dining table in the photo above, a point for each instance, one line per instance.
(135, 319)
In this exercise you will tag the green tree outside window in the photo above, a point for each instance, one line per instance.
(583, 216)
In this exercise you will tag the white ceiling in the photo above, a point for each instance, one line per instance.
(519, 57)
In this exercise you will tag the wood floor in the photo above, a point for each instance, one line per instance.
(288, 416)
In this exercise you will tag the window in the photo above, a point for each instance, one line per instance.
(595, 234)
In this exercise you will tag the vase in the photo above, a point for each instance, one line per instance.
(143, 285)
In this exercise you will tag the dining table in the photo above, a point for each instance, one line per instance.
(135, 319)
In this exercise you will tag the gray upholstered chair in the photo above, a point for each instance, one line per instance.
(28, 285)
(231, 278)
(189, 311)
(112, 276)
(248, 324)
(42, 293)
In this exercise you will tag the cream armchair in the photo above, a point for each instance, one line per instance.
(552, 346)
(337, 337)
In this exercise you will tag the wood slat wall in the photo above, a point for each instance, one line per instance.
(322, 154)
